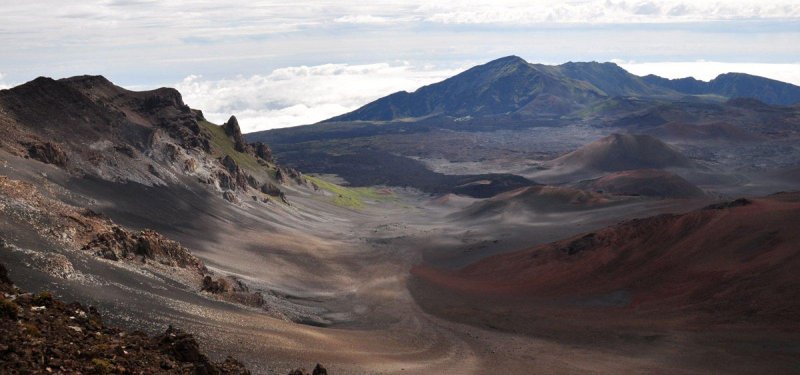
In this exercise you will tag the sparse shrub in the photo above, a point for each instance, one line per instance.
(31, 329)
(8, 309)
(102, 366)
(44, 298)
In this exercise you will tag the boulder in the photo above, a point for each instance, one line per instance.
(270, 189)
(230, 196)
(48, 152)
(4, 276)
(285, 175)
(184, 348)
(263, 151)
(237, 179)
(118, 244)
(217, 286)
(319, 370)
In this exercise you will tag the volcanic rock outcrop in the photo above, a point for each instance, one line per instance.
(232, 130)
(232, 290)
(48, 152)
(118, 244)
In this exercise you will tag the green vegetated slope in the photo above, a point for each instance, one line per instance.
(351, 197)
(224, 146)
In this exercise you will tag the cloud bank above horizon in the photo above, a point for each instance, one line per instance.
(308, 94)
(280, 63)
(303, 94)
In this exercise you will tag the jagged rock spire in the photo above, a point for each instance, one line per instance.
(232, 130)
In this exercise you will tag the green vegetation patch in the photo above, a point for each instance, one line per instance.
(351, 197)
(224, 146)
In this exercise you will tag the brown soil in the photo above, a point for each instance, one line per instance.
(39, 334)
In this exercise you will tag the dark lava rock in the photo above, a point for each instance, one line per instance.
(230, 196)
(164, 98)
(232, 290)
(198, 115)
(125, 150)
(252, 182)
(215, 286)
(153, 171)
(148, 244)
(72, 339)
(270, 189)
(581, 244)
(48, 152)
(232, 130)
(284, 175)
(181, 346)
(723, 205)
(4, 275)
(5, 286)
(229, 164)
(318, 370)
(263, 151)
(237, 179)
(280, 176)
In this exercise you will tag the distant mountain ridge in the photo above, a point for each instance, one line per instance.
(508, 84)
(513, 86)
(733, 85)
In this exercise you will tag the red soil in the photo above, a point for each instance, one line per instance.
(646, 182)
(712, 266)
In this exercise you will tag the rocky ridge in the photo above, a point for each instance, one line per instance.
(89, 127)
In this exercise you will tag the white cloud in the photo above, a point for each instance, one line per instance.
(605, 11)
(707, 70)
(307, 94)
(3, 85)
(141, 42)
(363, 19)
(303, 94)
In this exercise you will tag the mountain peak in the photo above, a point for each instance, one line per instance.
(502, 86)
(511, 59)
(97, 80)
(512, 86)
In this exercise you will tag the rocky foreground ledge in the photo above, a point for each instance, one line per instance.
(39, 334)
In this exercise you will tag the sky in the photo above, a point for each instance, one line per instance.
(275, 64)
